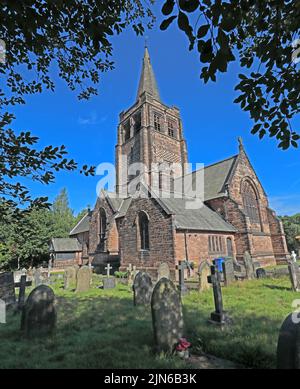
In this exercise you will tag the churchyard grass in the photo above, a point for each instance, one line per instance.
(102, 329)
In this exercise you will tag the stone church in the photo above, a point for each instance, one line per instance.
(143, 228)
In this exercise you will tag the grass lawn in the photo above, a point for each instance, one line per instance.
(102, 329)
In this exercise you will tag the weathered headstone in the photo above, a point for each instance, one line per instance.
(7, 288)
(2, 312)
(37, 277)
(39, 312)
(288, 346)
(219, 316)
(228, 271)
(204, 272)
(22, 288)
(83, 279)
(167, 317)
(181, 268)
(163, 271)
(70, 278)
(249, 265)
(142, 289)
(261, 273)
(294, 276)
(129, 274)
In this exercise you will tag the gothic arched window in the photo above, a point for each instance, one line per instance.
(144, 230)
(102, 228)
(250, 202)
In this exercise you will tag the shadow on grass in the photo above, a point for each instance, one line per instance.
(277, 287)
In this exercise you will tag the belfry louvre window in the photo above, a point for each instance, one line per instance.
(126, 131)
(250, 202)
(171, 131)
(215, 244)
(102, 228)
(157, 124)
(144, 230)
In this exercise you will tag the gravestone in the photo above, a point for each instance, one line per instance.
(108, 281)
(219, 316)
(261, 273)
(70, 278)
(83, 279)
(7, 288)
(37, 277)
(204, 272)
(167, 317)
(228, 271)
(182, 287)
(288, 346)
(39, 312)
(22, 288)
(249, 266)
(142, 289)
(129, 274)
(163, 271)
(294, 276)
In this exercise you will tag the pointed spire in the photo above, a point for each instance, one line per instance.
(147, 80)
(241, 144)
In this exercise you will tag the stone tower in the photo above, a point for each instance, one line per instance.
(149, 132)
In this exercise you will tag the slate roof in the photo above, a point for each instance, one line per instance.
(64, 245)
(203, 218)
(215, 178)
(82, 226)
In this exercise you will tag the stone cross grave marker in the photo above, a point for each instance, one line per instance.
(219, 316)
(163, 271)
(7, 288)
(108, 282)
(70, 278)
(204, 272)
(83, 279)
(250, 274)
(288, 346)
(39, 312)
(181, 267)
(167, 317)
(142, 289)
(228, 271)
(22, 288)
(294, 276)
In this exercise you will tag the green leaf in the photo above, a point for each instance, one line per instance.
(202, 31)
(189, 5)
(168, 7)
(165, 24)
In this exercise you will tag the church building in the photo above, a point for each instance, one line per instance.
(142, 227)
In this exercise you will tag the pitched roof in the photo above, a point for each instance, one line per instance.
(63, 245)
(215, 178)
(82, 226)
(147, 81)
(203, 218)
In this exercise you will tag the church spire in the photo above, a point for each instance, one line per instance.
(147, 81)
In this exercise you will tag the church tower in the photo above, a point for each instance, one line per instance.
(149, 132)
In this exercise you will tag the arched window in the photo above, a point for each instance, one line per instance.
(250, 202)
(144, 230)
(102, 228)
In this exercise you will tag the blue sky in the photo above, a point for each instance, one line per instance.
(212, 122)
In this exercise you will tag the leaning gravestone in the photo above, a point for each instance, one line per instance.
(294, 276)
(83, 279)
(7, 288)
(228, 271)
(204, 272)
(142, 289)
(70, 278)
(167, 317)
(39, 313)
(288, 346)
(163, 271)
(249, 266)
